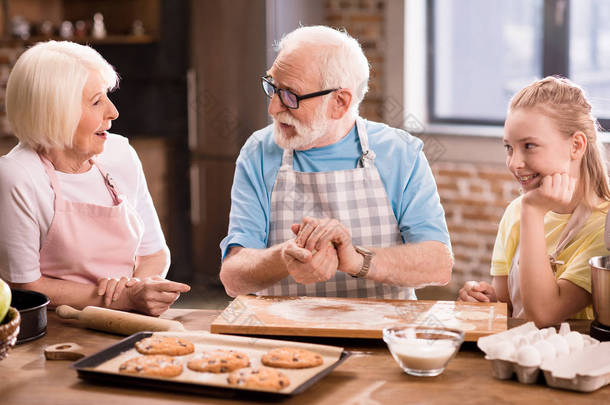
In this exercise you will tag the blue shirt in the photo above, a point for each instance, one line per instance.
(400, 160)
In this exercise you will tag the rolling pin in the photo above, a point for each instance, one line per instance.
(122, 323)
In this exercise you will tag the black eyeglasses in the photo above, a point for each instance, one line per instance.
(287, 97)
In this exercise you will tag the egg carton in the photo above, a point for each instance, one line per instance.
(587, 370)
(568, 359)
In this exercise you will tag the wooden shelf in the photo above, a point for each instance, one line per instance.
(119, 16)
(109, 39)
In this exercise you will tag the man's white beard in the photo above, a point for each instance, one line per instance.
(305, 135)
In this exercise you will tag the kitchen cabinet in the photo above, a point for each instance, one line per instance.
(226, 104)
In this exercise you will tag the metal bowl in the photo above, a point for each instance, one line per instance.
(32, 307)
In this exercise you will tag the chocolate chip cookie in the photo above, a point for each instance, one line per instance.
(259, 378)
(158, 365)
(288, 357)
(219, 361)
(171, 346)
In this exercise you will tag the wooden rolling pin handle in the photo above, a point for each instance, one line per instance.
(121, 322)
(67, 312)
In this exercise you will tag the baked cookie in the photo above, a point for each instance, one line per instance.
(261, 378)
(288, 357)
(157, 365)
(171, 346)
(219, 361)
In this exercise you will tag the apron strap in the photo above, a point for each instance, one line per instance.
(50, 169)
(287, 159)
(368, 156)
(109, 182)
(575, 223)
(607, 231)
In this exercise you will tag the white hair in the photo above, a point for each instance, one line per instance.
(338, 57)
(45, 89)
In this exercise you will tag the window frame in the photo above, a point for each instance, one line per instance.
(555, 59)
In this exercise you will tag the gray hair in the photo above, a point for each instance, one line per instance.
(340, 59)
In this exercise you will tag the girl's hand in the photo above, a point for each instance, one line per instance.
(111, 288)
(554, 193)
(477, 291)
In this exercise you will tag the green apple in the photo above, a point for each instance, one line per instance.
(5, 299)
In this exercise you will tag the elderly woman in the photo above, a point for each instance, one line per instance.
(78, 223)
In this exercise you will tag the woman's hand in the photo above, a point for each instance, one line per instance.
(554, 193)
(477, 291)
(153, 295)
(112, 288)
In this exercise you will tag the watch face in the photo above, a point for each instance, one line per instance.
(363, 251)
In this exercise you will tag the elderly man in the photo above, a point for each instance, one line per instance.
(323, 202)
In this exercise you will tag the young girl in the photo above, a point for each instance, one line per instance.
(547, 235)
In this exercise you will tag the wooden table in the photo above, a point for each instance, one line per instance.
(370, 376)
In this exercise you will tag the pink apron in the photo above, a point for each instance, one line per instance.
(87, 242)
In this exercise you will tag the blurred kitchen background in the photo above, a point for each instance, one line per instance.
(442, 69)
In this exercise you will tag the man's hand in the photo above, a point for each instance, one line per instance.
(554, 193)
(314, 234)
(475, 291)
(154, 295)
(307, 267)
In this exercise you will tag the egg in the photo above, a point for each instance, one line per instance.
(548, 332)
(533, 337)
(501, 350)
(564, 329)
(528, 356)
(575, 341)
(560, 343)
(519, 340)
(547, 350)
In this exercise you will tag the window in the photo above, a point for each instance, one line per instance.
(483, 51)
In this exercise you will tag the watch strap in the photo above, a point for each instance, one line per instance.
(367, 257)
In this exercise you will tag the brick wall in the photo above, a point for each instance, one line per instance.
(364, 20)
(473, 196)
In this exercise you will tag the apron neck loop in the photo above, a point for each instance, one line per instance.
(366, 160)
(50, 169)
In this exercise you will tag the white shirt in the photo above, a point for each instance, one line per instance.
(26, 203)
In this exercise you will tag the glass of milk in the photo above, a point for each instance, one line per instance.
(421, 350)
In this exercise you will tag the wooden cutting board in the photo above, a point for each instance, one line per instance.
(354, 317)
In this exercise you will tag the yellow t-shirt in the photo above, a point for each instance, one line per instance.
(587, 243)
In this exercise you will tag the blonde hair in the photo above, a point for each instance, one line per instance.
(566, 104)
(338, 56)
(45, 89)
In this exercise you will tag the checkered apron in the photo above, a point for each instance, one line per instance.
(357, 199)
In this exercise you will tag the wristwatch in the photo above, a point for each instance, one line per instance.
(366, 263)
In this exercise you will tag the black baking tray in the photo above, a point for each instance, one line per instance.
(85, 369)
